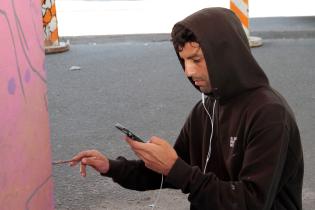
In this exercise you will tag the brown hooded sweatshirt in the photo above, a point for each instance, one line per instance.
(256, 159)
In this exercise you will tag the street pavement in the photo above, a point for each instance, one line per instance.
(137, 80)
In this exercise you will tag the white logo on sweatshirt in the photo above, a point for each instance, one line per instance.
(233, 139)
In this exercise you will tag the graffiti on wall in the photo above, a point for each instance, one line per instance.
(25, 175)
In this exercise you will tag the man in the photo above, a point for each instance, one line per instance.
(240, 146)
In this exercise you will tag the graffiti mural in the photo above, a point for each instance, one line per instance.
(25, 175)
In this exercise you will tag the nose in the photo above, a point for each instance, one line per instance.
(189, 70)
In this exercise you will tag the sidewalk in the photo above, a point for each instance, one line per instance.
(283, 27)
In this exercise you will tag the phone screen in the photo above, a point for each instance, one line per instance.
(128, 132)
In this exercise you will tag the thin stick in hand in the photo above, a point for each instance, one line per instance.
(61, 162)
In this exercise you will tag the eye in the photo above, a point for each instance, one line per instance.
(196, 60)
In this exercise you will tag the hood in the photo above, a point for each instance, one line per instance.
(232, 68)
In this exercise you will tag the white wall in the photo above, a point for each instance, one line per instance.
(81, 17)
(275, 8)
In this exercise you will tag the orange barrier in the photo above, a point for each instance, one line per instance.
(240, 8)
(50, 24)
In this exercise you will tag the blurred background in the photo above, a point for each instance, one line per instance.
(109, 17)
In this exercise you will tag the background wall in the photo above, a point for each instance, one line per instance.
(108, 17)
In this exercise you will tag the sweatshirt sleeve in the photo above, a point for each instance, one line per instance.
(132, 174)
(258, 181)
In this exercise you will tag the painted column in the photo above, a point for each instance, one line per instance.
(26, 173)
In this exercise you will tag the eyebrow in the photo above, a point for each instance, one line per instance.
(195, 54)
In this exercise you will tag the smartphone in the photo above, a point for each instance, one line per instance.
(128, 132)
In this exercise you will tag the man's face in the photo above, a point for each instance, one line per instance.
(195, 66)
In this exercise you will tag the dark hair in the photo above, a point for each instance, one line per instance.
(180, 36)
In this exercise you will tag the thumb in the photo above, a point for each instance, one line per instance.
(156, 140)
(91, 161)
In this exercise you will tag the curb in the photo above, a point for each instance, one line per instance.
(285, 34)
(266, 28)
(102, 39)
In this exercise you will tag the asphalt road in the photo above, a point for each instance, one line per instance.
(140, 84)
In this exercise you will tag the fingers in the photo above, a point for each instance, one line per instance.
(84, 154)
(83, 158)
(157, 154)
(87, 161)
(135, 145)
(141, 148)
(91, 161)
(157, 140)
(91, 158)
(83, 169)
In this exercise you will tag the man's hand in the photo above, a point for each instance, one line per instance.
(157, 154)
(91, 158)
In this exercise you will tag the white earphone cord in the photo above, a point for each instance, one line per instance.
(212, 123)
(209, 151)
(158, 195)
